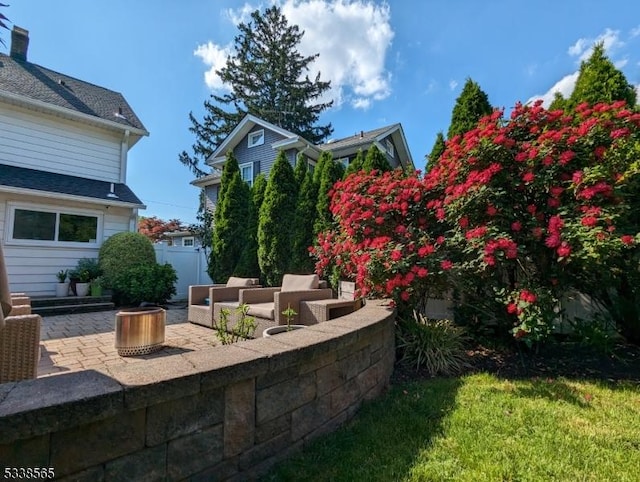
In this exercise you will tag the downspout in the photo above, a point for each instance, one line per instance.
(133, 221)
(124, 150)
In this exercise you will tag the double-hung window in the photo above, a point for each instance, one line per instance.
(246, 172)
(30, 224)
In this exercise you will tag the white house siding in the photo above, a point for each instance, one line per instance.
(54, 144)
(32, 268)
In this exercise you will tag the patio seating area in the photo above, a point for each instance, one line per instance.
(87, 341)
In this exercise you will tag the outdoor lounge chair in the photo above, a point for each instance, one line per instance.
(19, 348)
(267, 304)
(203, 297)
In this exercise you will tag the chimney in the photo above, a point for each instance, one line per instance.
(19, 43)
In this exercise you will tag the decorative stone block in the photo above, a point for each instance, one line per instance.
(147, 465)
(283, 397)
(239, 417)
(192, 454)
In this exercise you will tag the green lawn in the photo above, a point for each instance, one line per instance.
(481, 428)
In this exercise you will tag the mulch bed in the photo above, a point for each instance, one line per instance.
(557, 359)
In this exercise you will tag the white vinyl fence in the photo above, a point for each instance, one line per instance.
(190, 265)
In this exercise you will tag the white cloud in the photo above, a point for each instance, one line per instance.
(584, 46)
(564, 86)
(453, 84)
(634, 32)
(352, 37)
(431, 87)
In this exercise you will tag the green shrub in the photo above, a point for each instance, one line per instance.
(87, 269)
(436, 345)
(244, 328)
(122, 251)
(153, 283)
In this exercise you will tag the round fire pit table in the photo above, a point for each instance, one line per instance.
(139, 331)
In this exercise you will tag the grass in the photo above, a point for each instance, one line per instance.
(481, 428)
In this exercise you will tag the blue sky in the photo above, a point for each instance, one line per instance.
(395, 61)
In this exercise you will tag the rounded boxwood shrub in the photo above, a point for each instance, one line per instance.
(122, 251)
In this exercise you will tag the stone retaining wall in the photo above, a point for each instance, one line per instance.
(229, 412)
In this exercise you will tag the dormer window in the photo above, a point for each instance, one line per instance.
(256, 138)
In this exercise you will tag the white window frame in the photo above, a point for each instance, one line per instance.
(244, 165)
(11, 217)
(344, 161)
(255, 138)
(389, 147)
(191, 239)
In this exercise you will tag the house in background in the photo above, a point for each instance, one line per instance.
(255, 144)
(63, 166)
(184, 239)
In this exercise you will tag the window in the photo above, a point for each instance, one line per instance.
(35, 225)
(256, 138)
(344, 161)
(246, 172)
(187, 242)
(389, 146)
(311, 166)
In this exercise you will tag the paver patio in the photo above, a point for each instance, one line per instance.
(86, 341)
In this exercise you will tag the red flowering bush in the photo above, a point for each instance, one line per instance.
(514, 214)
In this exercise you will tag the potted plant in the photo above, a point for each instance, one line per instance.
(289, 313)
(96, 286)
(82, 285)
(62, 287)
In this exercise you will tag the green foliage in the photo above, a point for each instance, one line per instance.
(268, 77)
(302, 236)
(597, 332)
(248, 266)
(600, 81)
(558, 102)
(276, 221)
(331, 172)
(436, 152)
(243, 329)
(356, 164)
(232, 217)
(123, 251)
(471, 106)
(62, 275)
(86, 269)
(375, 160)
(153, 283)
(435, 345)
(300, 169)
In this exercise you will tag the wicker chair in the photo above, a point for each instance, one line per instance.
(202, 298)
(267, 304)
(19, 348)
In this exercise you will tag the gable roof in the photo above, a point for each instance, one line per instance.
(245, 126)
(362, 140)
(44, 89)
(41, 183)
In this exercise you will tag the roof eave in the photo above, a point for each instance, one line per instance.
(39, 105)
(70, 197)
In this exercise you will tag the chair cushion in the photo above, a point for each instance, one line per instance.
(234, 281)
(261, 310)
(299, 282)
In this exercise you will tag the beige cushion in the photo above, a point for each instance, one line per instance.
(234, 281)
(298, 282)
(261, 310)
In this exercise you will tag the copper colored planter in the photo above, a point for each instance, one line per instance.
(139, 330)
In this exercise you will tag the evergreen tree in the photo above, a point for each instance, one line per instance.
(331, 172)
(268, 78)
(275, 222)
(558, 102)
(300, 169)
(471, 106)
(600, 81)
(436, 152)
(230, 230)
(375, 160)
(356, 165)
(248, 266)
(325, 158)
(305, 216)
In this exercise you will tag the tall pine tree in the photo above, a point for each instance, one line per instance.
(276, 221)
(436, 152)
(600, 81)
(331, 172)
(375, 160)
(248, 266)
(268, 78)
(305, 216)
(356, 164)
(470, 107)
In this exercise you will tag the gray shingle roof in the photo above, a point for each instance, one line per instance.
(23, 178)
(360, 138)
(38, 83)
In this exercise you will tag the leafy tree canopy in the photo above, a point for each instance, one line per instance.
(268, 78)
(155, 229)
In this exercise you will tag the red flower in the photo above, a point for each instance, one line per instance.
(564, 249)
(491, 210)
(512, 308)
(528, 296)
(627, 239)
(528, 177)
(589, 221)
(516, 226)
(405, 296)
(396, 255)
(446, 264)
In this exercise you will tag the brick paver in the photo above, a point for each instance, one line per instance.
(86, 341)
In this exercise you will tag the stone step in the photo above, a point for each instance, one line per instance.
(42, 301)
(67, 309)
